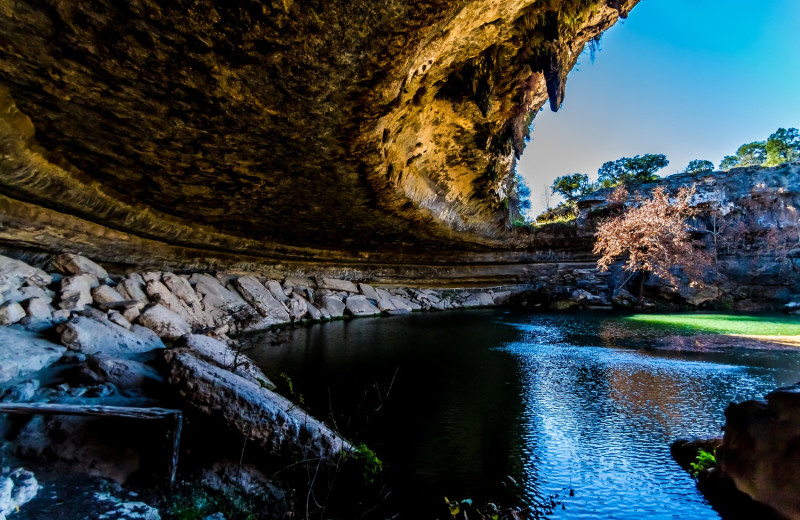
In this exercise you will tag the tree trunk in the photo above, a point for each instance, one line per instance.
(641, 290)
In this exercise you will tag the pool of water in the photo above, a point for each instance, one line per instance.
(512, 407)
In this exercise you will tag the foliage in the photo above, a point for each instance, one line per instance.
(536, 509)
(564, 212)
(705, 460)
(368, 462)
(752, 154)
(654, 238)
(728, 162)
(190, 501)
(783, 146)
(295, 396)
(519, 200)
(699, 166)
(631, 170)
(571, 187)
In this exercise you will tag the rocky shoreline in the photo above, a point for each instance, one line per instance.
(75, 334)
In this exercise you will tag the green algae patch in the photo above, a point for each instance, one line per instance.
(728, 324)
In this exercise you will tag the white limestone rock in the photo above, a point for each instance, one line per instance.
(106, 294)
(368, 291)
(133, 288)
(269, 421)
(68, 263)
(23, 353)
(221, 355)
(100, 336)
(358, 305)
(276, 290)
(165, 323)
(38, 310)
(76, 291)
(298, 307)
(10, 313)
(15, 273)
(337, 285)
(333, 306)
(263, 300)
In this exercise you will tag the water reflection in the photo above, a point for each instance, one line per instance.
(512, 407)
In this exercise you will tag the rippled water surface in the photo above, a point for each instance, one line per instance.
(511, 407)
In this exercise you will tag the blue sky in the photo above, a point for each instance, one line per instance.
(686, 78)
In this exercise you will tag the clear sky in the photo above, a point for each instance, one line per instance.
(692, 79)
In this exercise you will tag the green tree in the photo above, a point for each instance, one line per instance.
(728, 162)
(632, 170)
(520, 199)
(783, 146)
(699, 166)
(572, 186)
(752, 154)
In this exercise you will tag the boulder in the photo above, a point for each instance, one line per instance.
(267, 420)
(38, 310)
(298, 307)
(221, 355)
(759, 449)
(368, 291)
(334, 284)
(218, 302)
(151, 276)
(159, 293)
(100, 336)
(699, 295)
(21, 392)
(68, 263)
(22, 353)
(501, 297)
(297, 281)
(480, 299)
(119, 319)
(117, 509)
(106, 294)
(276, 290)
(123, 373)
(312, 312)
(333, 306)
(15, 273)
(10, 313)
(182, 289)
(358, 305)
(76, 291)
(133, 288)
(259, 297)
(26, 293)
(385, 304)
(165, 323)
(16, 489)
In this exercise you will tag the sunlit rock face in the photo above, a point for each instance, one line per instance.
(337, 129)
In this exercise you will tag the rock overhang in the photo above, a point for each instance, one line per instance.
(338, 129)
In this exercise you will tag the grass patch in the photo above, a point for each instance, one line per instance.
(729, 324)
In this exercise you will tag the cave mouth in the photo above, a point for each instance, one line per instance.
(319, 133)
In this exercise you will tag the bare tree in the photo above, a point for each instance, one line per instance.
(653, 237)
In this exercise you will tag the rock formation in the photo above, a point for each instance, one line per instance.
(204, 134)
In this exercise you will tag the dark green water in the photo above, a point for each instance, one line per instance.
(511, 407)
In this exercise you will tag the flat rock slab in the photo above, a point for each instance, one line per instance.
(359, 305)
(68, 263)
(259, 297)
(334, 284)
(22, 353)
(265, 418)
(91, 336)
(218, 353)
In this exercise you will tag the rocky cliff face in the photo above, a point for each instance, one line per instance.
(322, 130)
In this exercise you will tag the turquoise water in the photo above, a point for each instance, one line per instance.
(511, 407)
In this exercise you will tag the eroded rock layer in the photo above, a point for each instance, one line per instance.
(277, 128)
